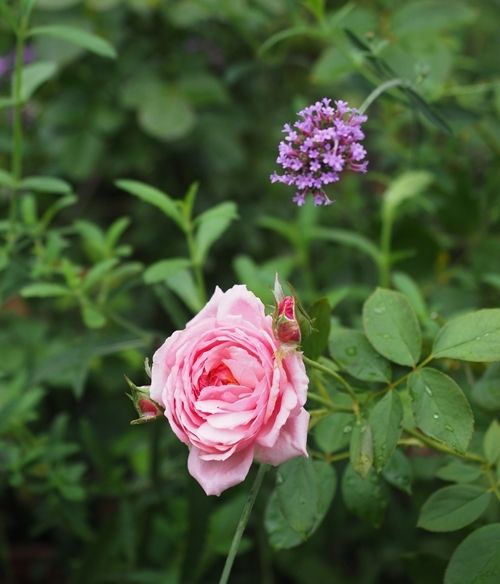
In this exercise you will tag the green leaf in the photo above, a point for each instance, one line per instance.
(96, 274)
(183, 285)
(6, 179)
(471, 337)
(486, 392)
(46, 184)
(210, 226)
(91, 315)
(491, 443)
(352, 351)
(458, 471)
(440, 408)
(348, 238)
(365, 497)
(297, 506)
(408, 185)
(385, 421)
(453, 507)
(392, 327)
(77, 36)
(154, 197)
(476, 560)
(44, 290)
(33, 76)
(398, 472)
(281, 535)
(409, 288)
(361, 450)
(160, 271)
(333, 432)
(305, 489)
(316, 342)
(165, 114)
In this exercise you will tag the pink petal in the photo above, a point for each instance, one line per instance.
(216, 476)
(291, 441)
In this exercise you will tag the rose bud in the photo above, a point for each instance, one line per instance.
(147, 408)
(285, 325)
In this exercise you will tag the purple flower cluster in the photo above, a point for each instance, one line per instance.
(319, 147)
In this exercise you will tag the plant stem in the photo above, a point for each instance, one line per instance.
(435, 445)
(397, 82)
(385, 250)
(245, 516)
(17, 126)
(337, 377)
(329, 404)
(197, 268)
(405, 377)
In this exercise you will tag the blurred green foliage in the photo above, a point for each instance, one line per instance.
(124, 93)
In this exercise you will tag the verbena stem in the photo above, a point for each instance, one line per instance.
(397, 82)
(242, 523)
(17, 126)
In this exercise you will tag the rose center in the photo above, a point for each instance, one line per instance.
(220, 375)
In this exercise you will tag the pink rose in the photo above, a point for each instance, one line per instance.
(229, 392)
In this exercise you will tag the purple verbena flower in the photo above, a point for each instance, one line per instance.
(319, 147)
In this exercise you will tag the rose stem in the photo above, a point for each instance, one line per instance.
(242, 523)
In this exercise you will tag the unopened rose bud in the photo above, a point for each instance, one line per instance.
(285, 325)
(147, 408)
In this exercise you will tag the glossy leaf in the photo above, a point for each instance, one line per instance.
(333, 432)
(440, 408)
(392, 327)
(365, 497)
(476, 560)
(316, 342)
(471, 337)
(385, 421)
(398, 472)
(352, 351)
(361, 449)
(491, 443)
(453, 507)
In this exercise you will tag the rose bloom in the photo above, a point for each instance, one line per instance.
(230, 391)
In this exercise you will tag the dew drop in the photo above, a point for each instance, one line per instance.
(347, 429)
(428, 390)
(435, 416)
(449, 428)
(351, 351)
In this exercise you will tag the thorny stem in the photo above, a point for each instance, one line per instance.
(245, 516)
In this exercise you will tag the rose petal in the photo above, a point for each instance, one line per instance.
(291, 441)
(216, 476)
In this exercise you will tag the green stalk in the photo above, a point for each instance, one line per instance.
(435, 445)
(17, 125)
(197, 268)
(245, 516)
(385, 250)
(337, 377)
(397, 82)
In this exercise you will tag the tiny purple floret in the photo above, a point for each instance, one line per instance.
(319, 147)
